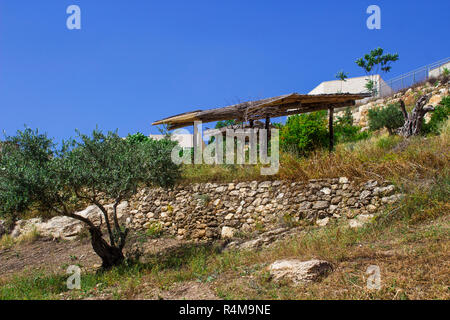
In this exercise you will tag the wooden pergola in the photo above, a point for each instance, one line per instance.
(284, 105)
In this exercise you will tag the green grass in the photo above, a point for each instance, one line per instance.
(31, 287)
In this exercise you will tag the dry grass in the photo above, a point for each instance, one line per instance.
(410, 243)
(381, 157)
(414, 264)
(7, 241)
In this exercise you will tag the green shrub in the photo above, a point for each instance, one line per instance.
(445, 72)
(344, 134)
(137, 138)
(304, 133)
(390, 117)
(438, 117)
(225, 123)
(154, 230)
(278, 125)
(345, 131)
(388, 142)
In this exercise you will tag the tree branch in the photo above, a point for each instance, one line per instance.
(403, 108)
(103, 210)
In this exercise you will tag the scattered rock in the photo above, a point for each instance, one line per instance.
(228, 232)
(299, 272)
(229, 216)
(360, 220)
(323, 222)
(392, 199)
(343, 180)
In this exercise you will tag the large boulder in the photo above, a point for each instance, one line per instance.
(57, 227)
(60, 227)
(66, 228)
(299, 272)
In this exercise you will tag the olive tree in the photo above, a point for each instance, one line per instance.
(35, 173)
(390, 117)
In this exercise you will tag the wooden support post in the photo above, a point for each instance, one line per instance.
(251, 124)
(330, 128)
(267, 126)
(197, 140)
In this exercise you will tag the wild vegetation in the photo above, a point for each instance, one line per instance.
(409, 241)
(390, 117)
(360, 155)
(36, 174)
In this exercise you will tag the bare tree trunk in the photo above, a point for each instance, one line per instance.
(122, 233)
(110, 255)
(413, 121)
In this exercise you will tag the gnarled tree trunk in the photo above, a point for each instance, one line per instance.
(110, 255)
(414, 120)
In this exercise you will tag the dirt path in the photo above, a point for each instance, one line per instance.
(46, 255)
(54, 256)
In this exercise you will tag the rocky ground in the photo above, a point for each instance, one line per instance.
(409, 97)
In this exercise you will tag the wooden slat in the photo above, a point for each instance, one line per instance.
(272, 107)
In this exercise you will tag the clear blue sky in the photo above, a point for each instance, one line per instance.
(137, 61)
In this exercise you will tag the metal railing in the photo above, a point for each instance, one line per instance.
(411, 78)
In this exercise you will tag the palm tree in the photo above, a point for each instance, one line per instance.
(341, 75)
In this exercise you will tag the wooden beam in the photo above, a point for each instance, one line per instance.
(330, 128)
(267, 123)
(261, 109)
(289, 109)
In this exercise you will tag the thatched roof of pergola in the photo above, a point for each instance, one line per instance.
(284, 105)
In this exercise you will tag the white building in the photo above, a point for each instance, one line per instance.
(436, 72)
(184, 140)
(352, 85)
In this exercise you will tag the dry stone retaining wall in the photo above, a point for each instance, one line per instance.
(213, 210)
